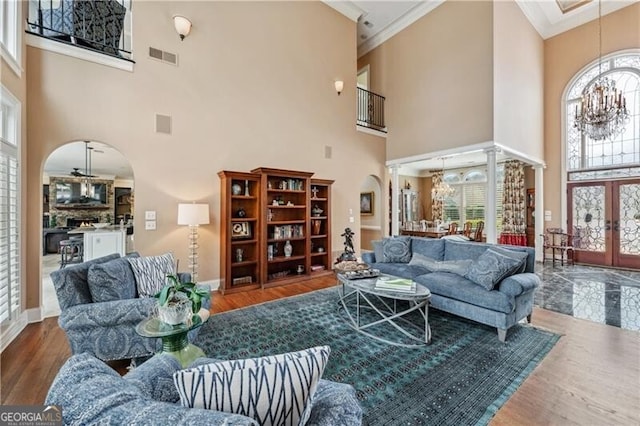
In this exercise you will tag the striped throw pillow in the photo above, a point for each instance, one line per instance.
(151, 273)
(274, 390)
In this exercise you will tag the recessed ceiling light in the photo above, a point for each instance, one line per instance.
(363, 36)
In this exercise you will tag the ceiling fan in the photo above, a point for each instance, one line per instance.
(77, 173)
(87, 164)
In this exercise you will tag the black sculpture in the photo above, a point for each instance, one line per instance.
(349, 253)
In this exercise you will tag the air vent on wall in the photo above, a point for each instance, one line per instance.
(163, 124)
(161, 55)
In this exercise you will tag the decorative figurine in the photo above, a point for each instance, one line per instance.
(349, 253)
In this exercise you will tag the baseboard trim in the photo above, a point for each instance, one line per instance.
(34, 315)
(12, 331)
(214, 284)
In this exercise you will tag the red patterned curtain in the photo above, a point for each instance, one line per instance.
(436, 205)
(513, 200)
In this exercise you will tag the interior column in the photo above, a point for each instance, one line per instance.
(395, 197)
(539, 210)
(490, 203)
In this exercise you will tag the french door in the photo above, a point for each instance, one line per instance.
(604, 218)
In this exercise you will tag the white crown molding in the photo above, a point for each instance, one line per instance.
(551, 22)
(347, 8)
(78, 53)
(398, 25)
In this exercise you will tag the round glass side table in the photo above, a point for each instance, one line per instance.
(174, 338)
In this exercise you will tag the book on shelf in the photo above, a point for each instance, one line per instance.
(402, 285)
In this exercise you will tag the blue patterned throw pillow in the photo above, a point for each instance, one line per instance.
(274, 390)
(491, 267)
(514, 254)
(151, 273)
(113, 280)
(396, 250)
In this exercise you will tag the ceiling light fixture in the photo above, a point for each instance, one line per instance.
(339, 85)
(603, 109)
(86, 187)
(182, 26)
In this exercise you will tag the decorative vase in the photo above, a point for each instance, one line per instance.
(288, 249)
(246, 188)
(316, 225)
(175, 312)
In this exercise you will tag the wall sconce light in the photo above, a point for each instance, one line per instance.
(339, 84)
(182, 25)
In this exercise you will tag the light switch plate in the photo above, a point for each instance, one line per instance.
(150, 215)
(150, 225)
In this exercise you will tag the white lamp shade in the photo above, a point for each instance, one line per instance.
(339, 85)
(193, 214)
(182, 25)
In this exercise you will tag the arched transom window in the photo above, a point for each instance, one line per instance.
(587, 157)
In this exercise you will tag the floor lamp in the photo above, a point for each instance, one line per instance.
(193, 215)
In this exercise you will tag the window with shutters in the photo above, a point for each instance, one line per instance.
(467, 203)
(9, 207)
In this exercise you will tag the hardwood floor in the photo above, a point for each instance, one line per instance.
(591, 376)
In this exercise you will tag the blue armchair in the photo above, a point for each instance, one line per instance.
(100, 309)
(90, 392)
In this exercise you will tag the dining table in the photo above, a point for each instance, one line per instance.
(428, 232)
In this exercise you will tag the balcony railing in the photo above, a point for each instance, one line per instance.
(100, 25)
(371, 110)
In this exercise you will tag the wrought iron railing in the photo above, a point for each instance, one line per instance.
(99, 25)
(370, 110)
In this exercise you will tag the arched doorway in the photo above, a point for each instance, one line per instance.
(83, 183)
(372, 213)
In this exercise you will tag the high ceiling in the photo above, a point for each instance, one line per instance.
(377, 22)
(380, 20)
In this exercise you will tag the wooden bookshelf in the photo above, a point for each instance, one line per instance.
(281, 206)
(240, 222)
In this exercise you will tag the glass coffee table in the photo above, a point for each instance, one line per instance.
(366, 307)
(174, 338)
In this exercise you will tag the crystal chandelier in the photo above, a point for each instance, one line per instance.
(603, 110)
(442, 190)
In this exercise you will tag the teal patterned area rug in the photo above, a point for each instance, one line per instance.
(462, 378)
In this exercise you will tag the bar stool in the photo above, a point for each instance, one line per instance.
(71, 251)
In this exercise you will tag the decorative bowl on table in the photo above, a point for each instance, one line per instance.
(100, 225)
(363, 273)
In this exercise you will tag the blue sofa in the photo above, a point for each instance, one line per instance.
(90, 392)
(447, 275)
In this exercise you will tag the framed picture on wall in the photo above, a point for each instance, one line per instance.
(366, 203)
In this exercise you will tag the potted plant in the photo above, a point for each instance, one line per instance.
(178, 301)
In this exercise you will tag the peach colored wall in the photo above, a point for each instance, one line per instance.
(565, 55)
(518, 81)
(254, 88)
(437, 78)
